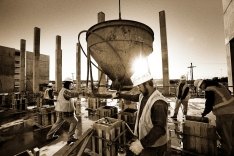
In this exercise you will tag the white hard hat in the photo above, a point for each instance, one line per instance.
(183, 77)
(139, 78)
(197, 83)
(68, 79)
(50, 84)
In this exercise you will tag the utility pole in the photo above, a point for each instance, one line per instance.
(191, 70)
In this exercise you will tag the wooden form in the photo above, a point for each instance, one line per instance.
(19, 104)
(46, 116)
(95, 103)
(199, 137)
(3, 98)
(109, 134)
(107, 111)
(129, 116)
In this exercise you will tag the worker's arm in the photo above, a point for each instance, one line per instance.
(209, 96)
(70, 94)
(159, 120)
(104, 96)
(134, 98)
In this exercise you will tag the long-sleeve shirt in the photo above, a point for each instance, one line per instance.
(158, 116)
(70, 94)
(209, 96)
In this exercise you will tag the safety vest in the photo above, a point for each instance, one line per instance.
(183, 90)
(145, 122)
(46, 93)
(62, 104)
(223, 100)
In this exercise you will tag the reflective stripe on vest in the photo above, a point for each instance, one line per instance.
(145, 122)
(223, 97)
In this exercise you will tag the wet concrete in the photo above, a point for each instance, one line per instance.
(30, 137)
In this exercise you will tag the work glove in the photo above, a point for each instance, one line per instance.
(136, 147)
(115, 95)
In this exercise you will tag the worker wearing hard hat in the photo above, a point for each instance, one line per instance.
(182, 97)
(221, 103)
(197, 84)
(151, 122)
(65, 112)
(49, 95)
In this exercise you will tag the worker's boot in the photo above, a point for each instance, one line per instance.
(53, 137)
(71, 140)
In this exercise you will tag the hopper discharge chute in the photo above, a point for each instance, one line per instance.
(115, 44)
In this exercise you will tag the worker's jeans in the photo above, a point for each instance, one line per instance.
(225, 128)
(178, 104)
(61, 118)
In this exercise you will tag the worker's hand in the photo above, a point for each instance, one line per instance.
(136, 147)
(115, 95)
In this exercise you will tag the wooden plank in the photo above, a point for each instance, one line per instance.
(67, 149)
(197, 118)
(84, 144)
(124, 134)
(108, 147)
(197, 133)
(112, 138)
(93, 144)
(100, 143)
(204, 141)
(118, 131)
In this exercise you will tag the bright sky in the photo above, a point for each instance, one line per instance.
(195, 31)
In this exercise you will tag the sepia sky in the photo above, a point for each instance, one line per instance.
(195, 31)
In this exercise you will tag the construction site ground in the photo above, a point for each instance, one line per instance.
(32, 137)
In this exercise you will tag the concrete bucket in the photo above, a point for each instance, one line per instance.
(115, 44)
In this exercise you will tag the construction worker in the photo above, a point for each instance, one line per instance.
(49, 95)
(65, 111)
(182, 97)
(221, 103)
(151, 122)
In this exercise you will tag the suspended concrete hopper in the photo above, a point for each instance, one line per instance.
(115, 44)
